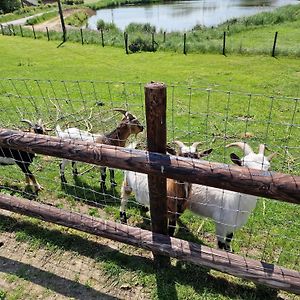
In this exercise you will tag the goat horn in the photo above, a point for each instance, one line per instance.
(195, 145)
(179, 144)
(123, 111)
(28, 122)
(270, 157)
(244, 146)
(39, 122)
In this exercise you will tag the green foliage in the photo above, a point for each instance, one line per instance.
(26, 11)
(140, 44)
(138, 27)
(2, 295)
(73, 2)
(7, 6)
(101, 25)
(40, 19)
(77, 19)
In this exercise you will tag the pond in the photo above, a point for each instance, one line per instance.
(184, 15)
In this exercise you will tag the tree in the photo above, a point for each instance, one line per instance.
(7, 6)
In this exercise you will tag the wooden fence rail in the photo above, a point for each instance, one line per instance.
(256, 271)
(267, 184)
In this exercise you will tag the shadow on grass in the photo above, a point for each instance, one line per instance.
(90, 194)
(51, 281)
(187, 274)
(15, 190)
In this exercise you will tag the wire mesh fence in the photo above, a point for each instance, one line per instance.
(212, 117)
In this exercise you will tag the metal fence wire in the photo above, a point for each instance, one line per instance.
(207, 115)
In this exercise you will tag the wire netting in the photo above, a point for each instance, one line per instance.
(207, 115)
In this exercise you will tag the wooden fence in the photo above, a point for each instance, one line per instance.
(159, 166)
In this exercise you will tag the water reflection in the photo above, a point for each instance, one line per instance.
(184, 15)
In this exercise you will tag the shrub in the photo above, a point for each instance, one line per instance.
(137, 27)
(77, 19)
(72, 2)
(106, 26)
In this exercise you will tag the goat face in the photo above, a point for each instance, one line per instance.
(37, 128)
(132, 123)
(251, 159)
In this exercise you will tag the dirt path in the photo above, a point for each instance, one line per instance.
(72, 269)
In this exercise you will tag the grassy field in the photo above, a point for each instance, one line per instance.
(199, 108)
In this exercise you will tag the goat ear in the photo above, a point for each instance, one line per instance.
(205, 152)
(235, 159)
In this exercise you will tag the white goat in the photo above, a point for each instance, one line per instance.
(229, 210)
(177, 192)
(118, 137)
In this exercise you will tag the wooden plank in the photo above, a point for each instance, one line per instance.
(156, 104)
(267, 184)
(256, 271)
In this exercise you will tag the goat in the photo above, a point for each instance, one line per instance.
(21, 158)
(177, 191)
(229, 210)
(118, 137)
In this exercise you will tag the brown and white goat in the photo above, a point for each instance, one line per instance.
(118, 137)
(177, 192)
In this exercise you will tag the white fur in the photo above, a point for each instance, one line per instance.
(229, 210)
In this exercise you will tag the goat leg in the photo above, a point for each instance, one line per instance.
(62, 171)
(113, 183)
(74, 169)
(103, 179)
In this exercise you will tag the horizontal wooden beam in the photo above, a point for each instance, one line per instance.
(256, 271)
(267, 184)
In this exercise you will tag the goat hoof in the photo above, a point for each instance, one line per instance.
(113, 184)
(103, 188)
(63, 179)
(1, 244)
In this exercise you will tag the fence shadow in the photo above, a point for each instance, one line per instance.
(53, 282)
(182, 273)
(89, 194)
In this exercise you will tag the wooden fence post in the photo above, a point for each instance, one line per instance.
(48, 36)
(156, 103)
(224, 43)
(81, 34)
(274, 44)
(33, 32)
(2, 29)
(13, 29)
(152, 41)
(102, 38)
(164, 36)
(126, 42)
(184, 43)
(62, 21)
(21, 31)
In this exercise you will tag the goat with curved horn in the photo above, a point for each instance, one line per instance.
(27, 122)
(244, 146)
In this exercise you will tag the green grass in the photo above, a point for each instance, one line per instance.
(25, 12)
(42, 18)
(193, 114)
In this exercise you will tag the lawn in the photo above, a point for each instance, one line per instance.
(211, 98)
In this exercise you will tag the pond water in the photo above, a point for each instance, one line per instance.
(184, 15)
